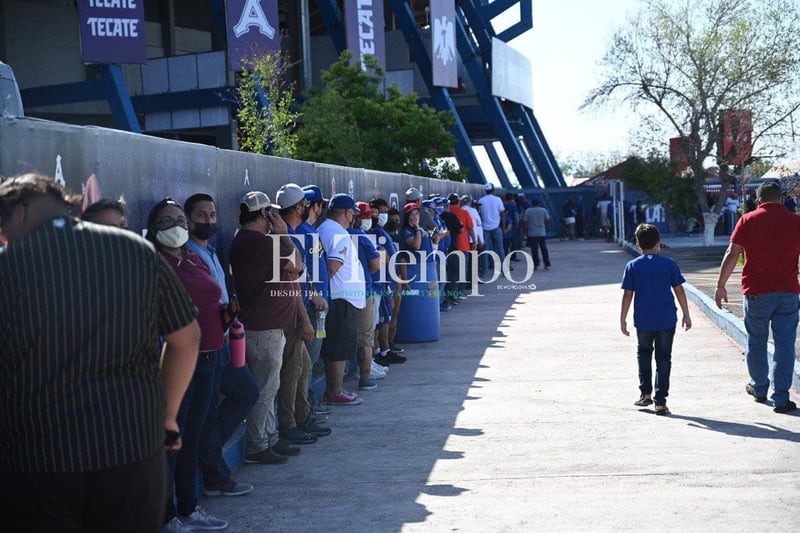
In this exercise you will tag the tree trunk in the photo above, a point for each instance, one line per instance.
(709, 223)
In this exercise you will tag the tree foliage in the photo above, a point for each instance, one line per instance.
(350, 120)
(681, 63)
(656, 176)
(270, 128)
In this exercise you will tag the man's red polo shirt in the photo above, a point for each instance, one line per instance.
(770, 236)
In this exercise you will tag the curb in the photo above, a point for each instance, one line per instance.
(732, 325)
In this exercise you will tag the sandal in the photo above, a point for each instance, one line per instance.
(662, 410)
(642, 401)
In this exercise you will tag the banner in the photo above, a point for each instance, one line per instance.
(364, 24)
(253, 30)
(737, 131)
(679, 150)
(443, 37)
(112, 31)
(512, 76)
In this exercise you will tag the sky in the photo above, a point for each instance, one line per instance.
(565, 45)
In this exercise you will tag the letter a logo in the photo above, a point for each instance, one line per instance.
(253, 15)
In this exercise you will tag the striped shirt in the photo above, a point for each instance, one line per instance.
(81, 307)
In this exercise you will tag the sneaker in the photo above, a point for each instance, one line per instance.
(310, 425)
(366, 384)
(174, 526)
(390, 358)
(265, 457)
(200, 520)
(749, 389)
(297, 436)
(282, 447)
(343, 398)
(322, 409)
(395, 348)
(379, 368)
(375, 373)
(229, 487)
(789, 406)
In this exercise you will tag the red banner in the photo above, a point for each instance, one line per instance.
(737, 131)
(679, 150)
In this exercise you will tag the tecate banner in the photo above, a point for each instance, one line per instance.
(364, 25)
(112, 31)
(253, 30)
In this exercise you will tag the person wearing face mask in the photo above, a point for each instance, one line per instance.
(297, 424)
(385, 285)
(370, 262)
(167, 229)
(236, 384)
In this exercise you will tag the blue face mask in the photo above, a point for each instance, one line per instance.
(439, 210)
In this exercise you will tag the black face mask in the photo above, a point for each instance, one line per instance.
(204, 231)
(390, 226)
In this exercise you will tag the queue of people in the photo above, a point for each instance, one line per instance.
(308, 278)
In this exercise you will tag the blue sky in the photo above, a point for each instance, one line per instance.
(568, 39)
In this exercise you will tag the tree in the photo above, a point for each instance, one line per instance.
(656, 177)
(351, 121)
(682, 64)
(266, 114)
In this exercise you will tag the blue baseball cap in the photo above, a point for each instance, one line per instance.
(313, 193)
(342, 201)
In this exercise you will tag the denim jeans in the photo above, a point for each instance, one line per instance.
(493, 241)
(661, 340)
(191, 419)
(240, 392)
(778, 310)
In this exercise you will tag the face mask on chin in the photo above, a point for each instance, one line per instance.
(382, 219)
(174, 237)
(203, 230)
(366, 224)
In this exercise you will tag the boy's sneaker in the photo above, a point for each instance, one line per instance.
(228, 487)
(200, 520)
(382, 368)
(297, 436)
(342, 398)
(366, 384)
(375, 373)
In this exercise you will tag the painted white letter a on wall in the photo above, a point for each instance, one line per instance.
(253, 15)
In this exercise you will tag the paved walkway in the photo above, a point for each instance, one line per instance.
(521, 419)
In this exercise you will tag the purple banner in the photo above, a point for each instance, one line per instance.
(365, 29)
(112, 31)
(444, 56)
(253, 30)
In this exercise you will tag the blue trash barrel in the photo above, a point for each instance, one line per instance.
(419, 310)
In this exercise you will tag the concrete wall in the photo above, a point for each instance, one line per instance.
(145, 169)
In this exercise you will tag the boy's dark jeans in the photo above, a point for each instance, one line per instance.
(661, 340)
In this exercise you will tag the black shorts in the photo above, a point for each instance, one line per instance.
(341, 332)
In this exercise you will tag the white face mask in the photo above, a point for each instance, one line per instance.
(383, 218)
(174, 237)
(366, 224)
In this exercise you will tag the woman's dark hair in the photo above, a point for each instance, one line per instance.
(91, 213)
(152, 219)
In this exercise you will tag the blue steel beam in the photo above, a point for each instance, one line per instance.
(439, 95)
(539, 149)
(497, 164)
(118, 98)
(474, 62)
(489, 11)
(334, 20)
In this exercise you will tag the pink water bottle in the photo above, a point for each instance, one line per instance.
(237, 340)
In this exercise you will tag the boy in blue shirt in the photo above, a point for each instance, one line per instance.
(647, 281)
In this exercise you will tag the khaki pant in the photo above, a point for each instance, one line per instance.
(264, 352)
(293, 392)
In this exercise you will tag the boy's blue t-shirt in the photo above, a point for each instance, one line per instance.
(651, 278)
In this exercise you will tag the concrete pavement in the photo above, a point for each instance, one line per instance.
(521, 418)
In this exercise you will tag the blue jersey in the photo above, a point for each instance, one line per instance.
(366, 253)
(315, 260)
(383, 280)
(651, 277)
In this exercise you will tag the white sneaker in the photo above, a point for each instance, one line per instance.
(200, 520)
(376, 371)
(380, 368)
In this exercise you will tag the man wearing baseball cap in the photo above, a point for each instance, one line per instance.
(265, 286)
(297, 425)
(347, 292)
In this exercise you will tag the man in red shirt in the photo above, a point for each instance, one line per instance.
(770, 240)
